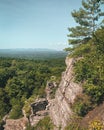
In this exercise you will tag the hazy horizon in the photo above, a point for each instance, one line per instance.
(31, 49)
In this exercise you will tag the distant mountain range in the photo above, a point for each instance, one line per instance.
(27, 49)
(30, 53)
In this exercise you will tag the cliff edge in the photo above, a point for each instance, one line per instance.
(60, 106)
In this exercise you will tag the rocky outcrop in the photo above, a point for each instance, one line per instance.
(19, 124)
(50, 90)
(38, 111)
(39, 105)
(60, 107)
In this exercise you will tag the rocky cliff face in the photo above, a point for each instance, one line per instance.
(60, 107)
(38, 112)
(19, 124)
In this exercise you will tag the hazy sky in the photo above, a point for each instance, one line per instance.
(36, 23)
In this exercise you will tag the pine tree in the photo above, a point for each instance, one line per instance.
(88, 18)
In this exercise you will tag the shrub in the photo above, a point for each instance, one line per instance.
(16, 112)
(96, 125)
(29, 127)
(81, 105)
(44, 124)
(74, 124)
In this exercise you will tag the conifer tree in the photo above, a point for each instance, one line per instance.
(89, 18)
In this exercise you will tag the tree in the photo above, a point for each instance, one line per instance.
(99, 40)
(88, 18)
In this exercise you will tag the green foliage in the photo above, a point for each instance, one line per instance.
(81, 105)
(27, 107)
(98, 39)
(89, 19)
(4, 106)
(95, 92)
(74, 124)
(20, 79)
(16, 111)
(44, 124)
(89, 70)
(81, 50)
(5, 74)
(29, 127)
(96, 125)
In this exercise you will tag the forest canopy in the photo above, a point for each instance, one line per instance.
(22, 78)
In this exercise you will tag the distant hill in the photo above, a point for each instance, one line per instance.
(26, 49)
(30, 53)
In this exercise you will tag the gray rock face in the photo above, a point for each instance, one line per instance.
(19, 124)
(39, 111)
(60, 107)
(39, 105)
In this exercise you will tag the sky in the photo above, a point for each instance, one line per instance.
(36, 23)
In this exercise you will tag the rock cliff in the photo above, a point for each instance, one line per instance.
(38, 111)
(60, 107)
(19, 124)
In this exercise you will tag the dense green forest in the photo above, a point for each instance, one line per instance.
(21, 79)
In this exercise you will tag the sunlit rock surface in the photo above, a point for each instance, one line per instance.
(60, 107)
(18, 124)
